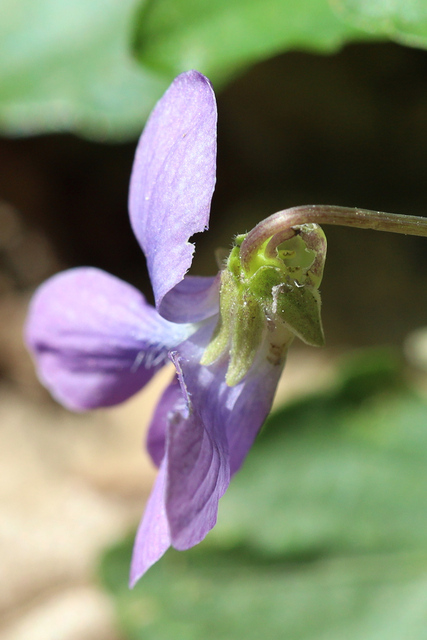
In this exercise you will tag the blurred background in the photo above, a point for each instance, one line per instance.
(318, 103)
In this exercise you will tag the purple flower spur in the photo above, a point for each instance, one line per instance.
(96, 341)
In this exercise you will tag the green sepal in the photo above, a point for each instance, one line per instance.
(263, 281)
(239, 329)
(249, 326)
(286, 300)
(221, 338)
(299, 309)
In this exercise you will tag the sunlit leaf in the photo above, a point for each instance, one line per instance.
(401, 20)
(334, 478)
(222, 37)
(329, 471)
(65, 65)
(224, 595)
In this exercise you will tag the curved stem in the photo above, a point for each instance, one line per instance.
(280, 226)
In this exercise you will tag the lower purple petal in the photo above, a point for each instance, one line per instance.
(251, 406)
(198, 476)
(210, 428)
(170, 404)
(152, 538)
(212, 443)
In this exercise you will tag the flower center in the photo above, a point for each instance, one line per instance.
(269, 300)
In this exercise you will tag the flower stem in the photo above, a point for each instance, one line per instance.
(281, 226)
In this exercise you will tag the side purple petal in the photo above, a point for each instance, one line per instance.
(95, 339)
(153, 537)
(173, 179)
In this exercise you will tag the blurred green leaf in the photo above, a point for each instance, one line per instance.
(66, 66)
(401, 20)
(227, 596)
(331, 476)
(321, 536)
(222, 37)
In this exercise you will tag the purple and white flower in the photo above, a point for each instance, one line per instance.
(96, 341)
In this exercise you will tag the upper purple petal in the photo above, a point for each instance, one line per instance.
(95, 339)
(173, 179)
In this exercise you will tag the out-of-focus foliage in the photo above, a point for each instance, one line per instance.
(66, 65)
(401, 20)
(323, 534)
(221, 38)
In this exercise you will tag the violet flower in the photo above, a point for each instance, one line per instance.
(96, 341)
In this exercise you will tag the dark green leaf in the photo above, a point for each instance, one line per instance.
(229, 595)
(321, 536)
(329, 472)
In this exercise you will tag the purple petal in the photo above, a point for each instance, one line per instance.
(173, 179)
(250, 407)
(197, 447)
(152, 538)
(204, 450)
(194, 299)
(171, 401)
(207, 439)
(95, 339)
(198, 469)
